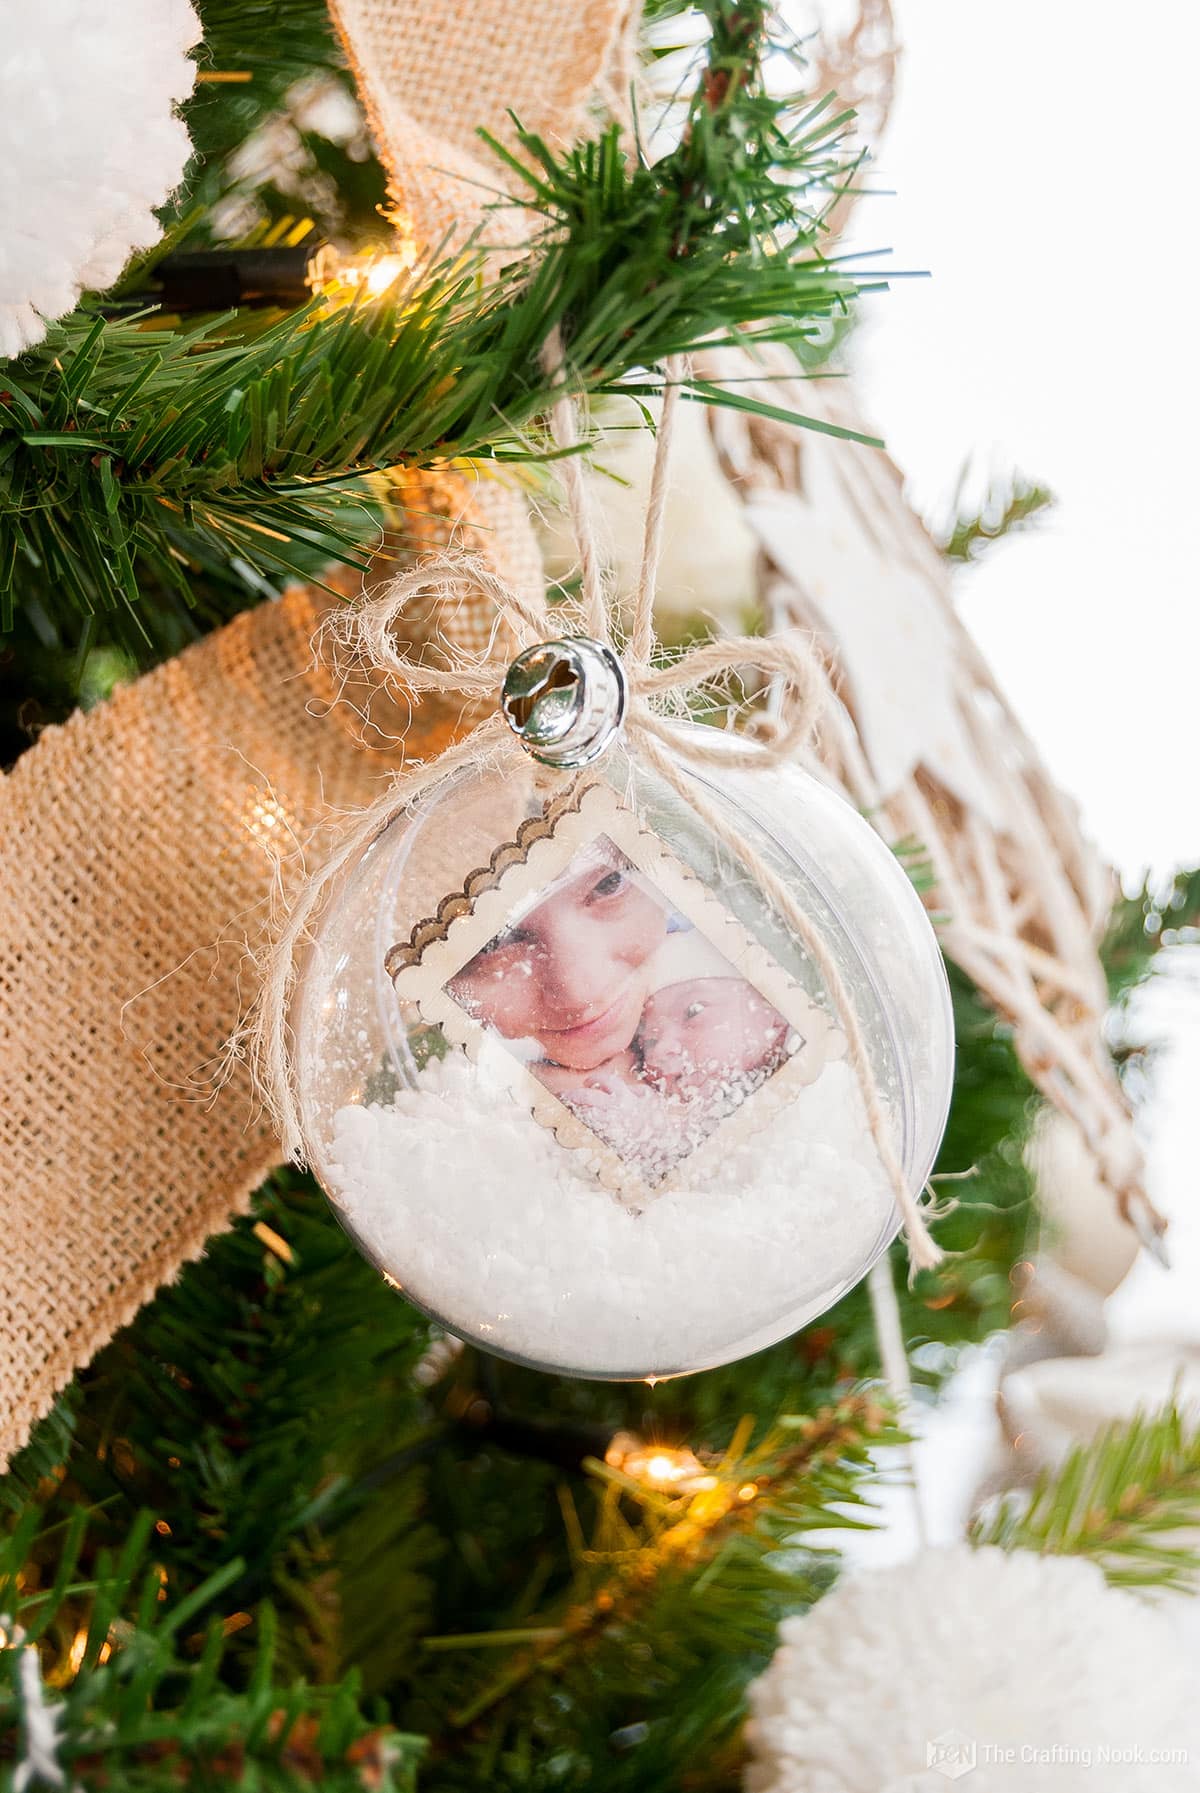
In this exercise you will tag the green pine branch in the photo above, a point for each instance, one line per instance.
(227, 1433)
(121, 1688)
(264, 1412)
(232, 1410)
(1125, 1501)
(640, 1659)
(1010, 505)
(133, 453)
(272, 44)
(1160, 914)
(268, 52)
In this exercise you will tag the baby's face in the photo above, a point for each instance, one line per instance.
(706, 1032)
(572, 974)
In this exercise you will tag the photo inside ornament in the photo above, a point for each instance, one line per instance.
(573, 1083)
(624, 1004)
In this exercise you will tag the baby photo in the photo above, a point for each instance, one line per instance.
(621, 1007)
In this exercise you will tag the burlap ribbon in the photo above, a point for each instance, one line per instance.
(430, 72)
(142, 841)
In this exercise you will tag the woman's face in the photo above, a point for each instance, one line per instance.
(572, 973)
(705, 1032)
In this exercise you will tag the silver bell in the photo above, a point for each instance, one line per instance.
(565, 700)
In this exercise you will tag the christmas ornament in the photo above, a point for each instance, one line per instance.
(90, 143)
(147, 1012)
(1085, 1234)
(1049, 1407)
(571, 1080)
(1024, 1673)
(621, 1058)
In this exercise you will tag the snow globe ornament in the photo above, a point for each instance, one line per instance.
(571, 1074)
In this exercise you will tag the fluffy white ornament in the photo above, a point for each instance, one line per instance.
(1019, 1673)
(1086, 1233)
(1049, 1407)
(89, 144)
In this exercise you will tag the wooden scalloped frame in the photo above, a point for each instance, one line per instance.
(467, 918)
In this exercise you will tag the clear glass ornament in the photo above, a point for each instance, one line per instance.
(584, 1099)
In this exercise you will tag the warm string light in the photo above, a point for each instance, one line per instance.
(288, 268)
(675, 1470)
(368, 276)
(274, 1242)
(78, 1651)
(269, 821)
(669, 1469)
(709, 1494)
(686, 1503)
(383, 273)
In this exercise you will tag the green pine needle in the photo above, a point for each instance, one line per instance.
(133, 454)
(137, 1692)
(1010, 505)
(1128, 1500)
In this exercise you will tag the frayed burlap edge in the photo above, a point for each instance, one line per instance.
(431, 72)
(143, 845)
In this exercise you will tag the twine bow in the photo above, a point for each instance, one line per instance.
(367, 633)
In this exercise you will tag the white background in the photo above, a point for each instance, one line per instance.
(1041, 156)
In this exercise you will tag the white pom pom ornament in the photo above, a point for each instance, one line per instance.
(1017, 1673)
(90, 144)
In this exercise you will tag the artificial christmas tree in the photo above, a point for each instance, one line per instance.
(280, 1530)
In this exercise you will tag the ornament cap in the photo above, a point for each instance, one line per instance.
(565, 700)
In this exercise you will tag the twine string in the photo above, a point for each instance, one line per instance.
(794, 660)
(369, 632)
(641, 639)
(564, 428)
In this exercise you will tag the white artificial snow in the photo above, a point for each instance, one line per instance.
(90, 143)
(484, 1219)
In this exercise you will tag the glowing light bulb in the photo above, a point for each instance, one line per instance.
(367, 276)
(384, 273)
(668, 1468)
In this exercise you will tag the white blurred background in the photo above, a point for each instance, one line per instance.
(1041, 160)
(1039, 164)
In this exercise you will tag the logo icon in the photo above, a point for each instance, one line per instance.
(952, 1754)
